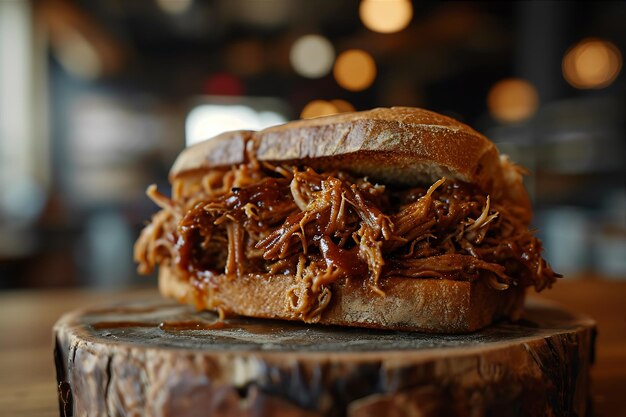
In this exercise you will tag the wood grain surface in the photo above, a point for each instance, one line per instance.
(28, 385)
(157, 358)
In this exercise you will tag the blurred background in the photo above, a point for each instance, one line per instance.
(97, 97)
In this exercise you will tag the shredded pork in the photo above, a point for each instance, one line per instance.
(325, 226)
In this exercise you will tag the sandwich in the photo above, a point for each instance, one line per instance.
(393, 218)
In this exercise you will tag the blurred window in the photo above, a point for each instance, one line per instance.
(216, 116)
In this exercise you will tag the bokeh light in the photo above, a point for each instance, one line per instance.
(342, 105)
(317, 108)
(592, 63)
(512, 100)
(312, 56)
(355, 70)
(386, 16)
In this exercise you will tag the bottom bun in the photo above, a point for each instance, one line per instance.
(428, 305)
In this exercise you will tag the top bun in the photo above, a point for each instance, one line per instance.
(397, 145)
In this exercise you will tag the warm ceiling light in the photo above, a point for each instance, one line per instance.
(386, 16)
(312, 56)
(592, 63)
(317, 108)
(355, 70)
(512, 100)
(342, 105)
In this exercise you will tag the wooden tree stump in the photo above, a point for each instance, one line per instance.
(157, 358)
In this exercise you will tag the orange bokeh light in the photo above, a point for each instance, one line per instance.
(317, 108)
(512, 100)
(592, 63)
(386, 16)
(342, 105)
(355, 70)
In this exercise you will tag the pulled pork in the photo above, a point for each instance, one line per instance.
(323, 226)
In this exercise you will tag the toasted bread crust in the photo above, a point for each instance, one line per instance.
(398, 145)
(429, 305)
(223, 150)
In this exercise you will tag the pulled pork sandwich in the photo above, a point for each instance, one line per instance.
(394, 218)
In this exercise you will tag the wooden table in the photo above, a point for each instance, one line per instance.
(27, 380)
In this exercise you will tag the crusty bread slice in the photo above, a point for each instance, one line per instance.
(397, 145)
(222, 150)
(429, 305)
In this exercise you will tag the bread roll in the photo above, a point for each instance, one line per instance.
(397, 148)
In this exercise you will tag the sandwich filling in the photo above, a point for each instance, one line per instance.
(324, 226)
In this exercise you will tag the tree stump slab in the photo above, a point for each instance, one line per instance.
(157, 358)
